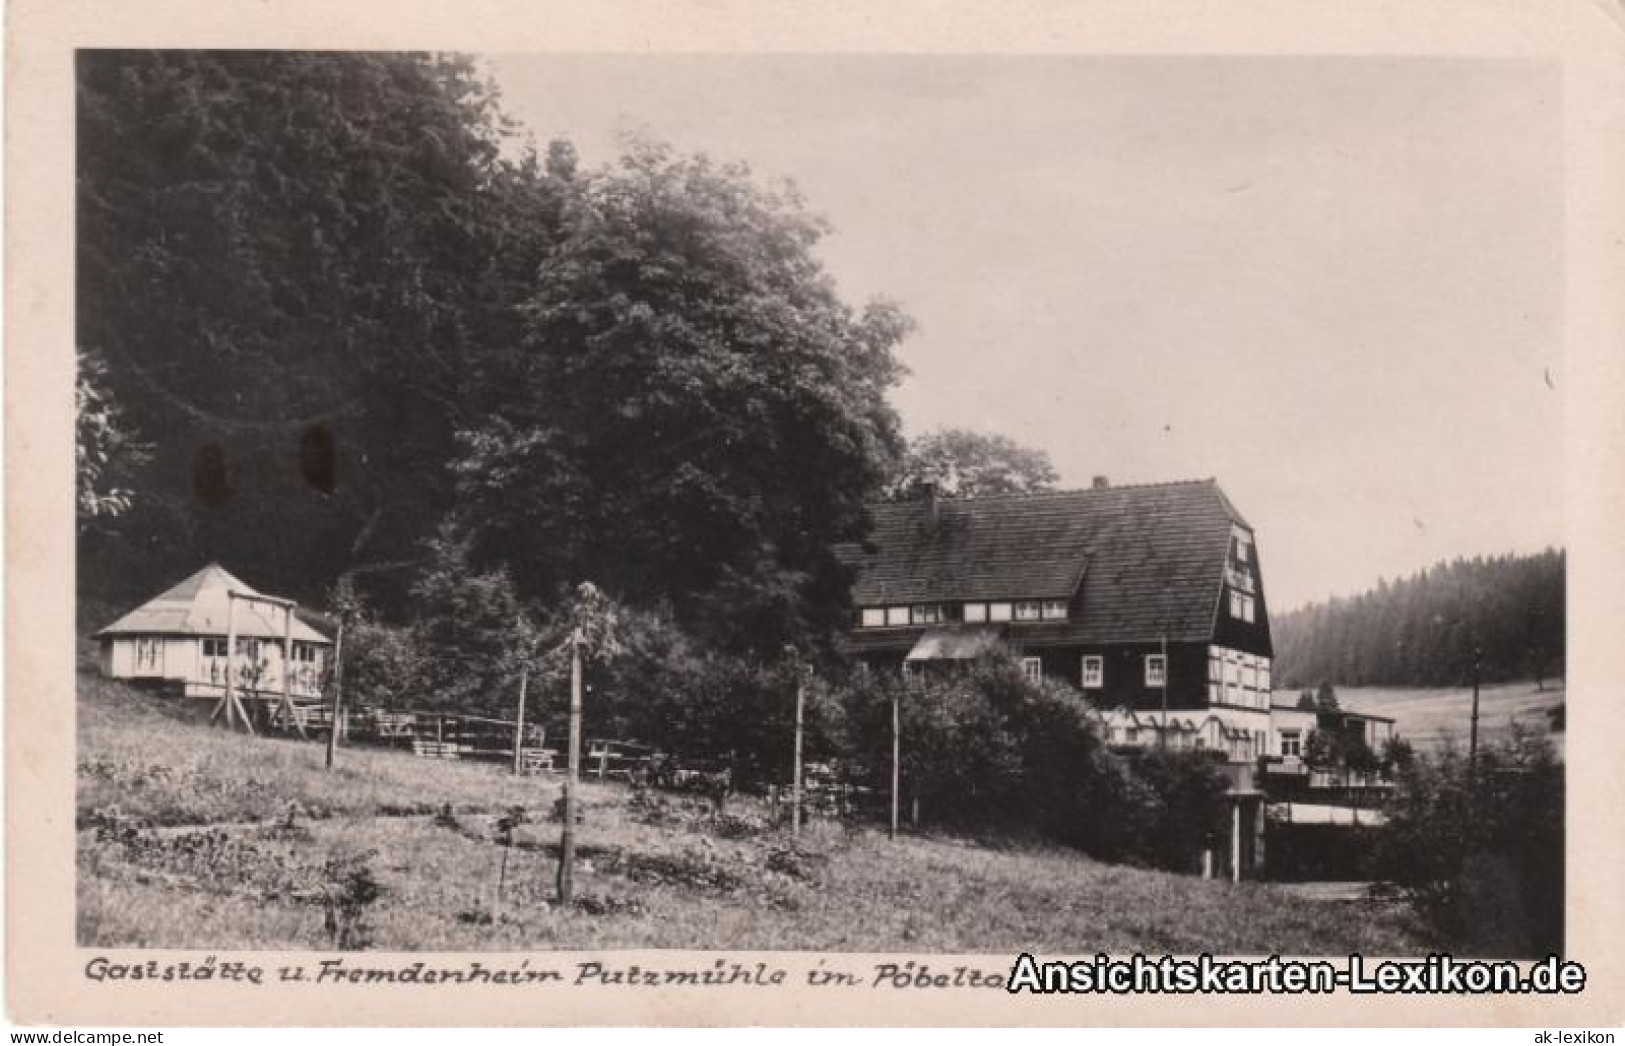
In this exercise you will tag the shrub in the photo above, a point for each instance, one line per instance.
(1484, 865)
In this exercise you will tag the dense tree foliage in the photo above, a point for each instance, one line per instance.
(694, 416)
(1424, 630)
(291, 263)
(967, 464)
(344, 315)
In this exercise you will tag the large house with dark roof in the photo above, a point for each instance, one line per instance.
(1148, 598)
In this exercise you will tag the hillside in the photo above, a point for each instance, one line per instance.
(364, 863)
(1424, 630)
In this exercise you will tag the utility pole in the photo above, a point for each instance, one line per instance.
(338, 695)
(519, 724)
(896, 760)
(567, 848)
(795, 773)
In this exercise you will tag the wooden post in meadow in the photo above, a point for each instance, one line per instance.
(230, 700)
(519, 725)
(567, 847)
(795, 771)
(338, 695)
(286, 707)
(896, 761)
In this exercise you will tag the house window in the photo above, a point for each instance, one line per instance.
(998, 611)
(214, 648)
(975, 612)
(1156, 670)
(249, 648)
(927, 614)
(911, 674)
(1264, 679)
(305, 652)
(1027, 610)
(1033, 669)
(1053, 610)
(874, 617)
(1292, 742)
(1247, 608)
(1094, 672)
(897, 615)
(1241, 606)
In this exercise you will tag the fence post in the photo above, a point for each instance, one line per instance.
(567, 847)
(795, 778)
(519, 724)
(338, 696)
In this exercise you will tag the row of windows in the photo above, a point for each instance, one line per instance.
(250, 648)
(1094, 670)
(973, 613)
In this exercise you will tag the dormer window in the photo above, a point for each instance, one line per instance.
(1053, 610)
(1028, 610)
(927, 614)
(896, 616)
(999, 611)
(975, 612)
(874, 617)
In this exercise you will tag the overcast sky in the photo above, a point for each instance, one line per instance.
(1334, 285)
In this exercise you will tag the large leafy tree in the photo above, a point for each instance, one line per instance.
(694, 416)
(292, 264)
(963, 463)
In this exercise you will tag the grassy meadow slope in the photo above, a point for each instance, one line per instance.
(1429, 716)
(184, 841)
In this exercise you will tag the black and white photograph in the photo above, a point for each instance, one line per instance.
(819, 503)
(666, 508)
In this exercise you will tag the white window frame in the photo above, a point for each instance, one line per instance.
(999, 611)
(214, 646)
(1156, 670)
(1053, 610)
(925, 613)
(1094, 671)
(304, 653)
(874, 617)
(975, 613)
(1032, 669)
(896, 617)
(1028, 610)
(1292, 742)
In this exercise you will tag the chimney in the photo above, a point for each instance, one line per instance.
(1101, 482)
(933, 507)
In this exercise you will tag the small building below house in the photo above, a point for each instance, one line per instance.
(1349, 760)
(177, 640)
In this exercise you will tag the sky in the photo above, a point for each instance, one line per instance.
(1334, 285)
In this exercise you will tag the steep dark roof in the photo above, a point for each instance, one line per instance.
(1150, 558)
